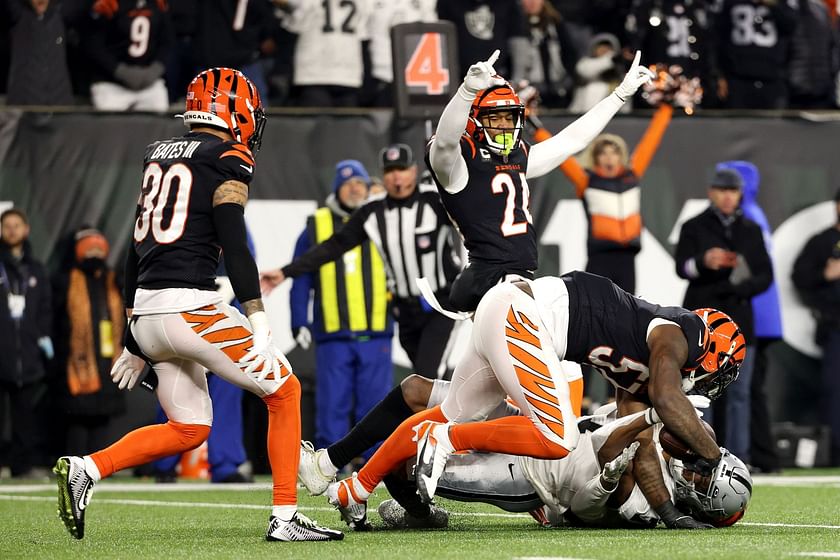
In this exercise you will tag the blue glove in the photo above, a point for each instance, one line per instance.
(425, 305)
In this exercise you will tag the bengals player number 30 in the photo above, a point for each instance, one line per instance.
(191, 207)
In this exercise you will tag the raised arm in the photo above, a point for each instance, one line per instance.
(445, 152)
(649, 144)
(547, 155)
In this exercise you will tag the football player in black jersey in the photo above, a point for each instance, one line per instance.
(481, 166)
(191, 205)
(652, 354)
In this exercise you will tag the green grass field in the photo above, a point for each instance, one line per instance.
(790, 517)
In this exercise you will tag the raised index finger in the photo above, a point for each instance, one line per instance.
(636, 59)
(493, 58)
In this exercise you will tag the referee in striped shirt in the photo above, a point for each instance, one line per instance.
(411, 229)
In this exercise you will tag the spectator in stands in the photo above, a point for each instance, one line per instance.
(351, 314)
(814, 58)
(329, 54)
(236, 34)
(181, 64)
(722, 255)
(553, 56)
(608, 185)
(754, 37)
(768, 329)
(127, 44)
(816, 274)
(379, 85)
(38, 73)
(25, 343)
(676, 32)
(90, 321)
(598, 72)
(486, 25)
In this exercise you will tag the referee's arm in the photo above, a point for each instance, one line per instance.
(351, 234)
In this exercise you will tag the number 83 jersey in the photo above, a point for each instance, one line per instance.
(491, 211)
(174, 233)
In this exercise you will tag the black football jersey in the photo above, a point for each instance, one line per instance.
(608, 330)
(174, 234)
(491, 212)
(138, 34)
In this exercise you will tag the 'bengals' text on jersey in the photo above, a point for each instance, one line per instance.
(491, 211)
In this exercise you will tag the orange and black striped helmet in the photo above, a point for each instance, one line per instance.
(491, 100)
(224, 98)
(726, 349)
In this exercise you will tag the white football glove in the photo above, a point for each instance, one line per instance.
(304, 338)
(615, 468)
(699, 401)
(263, 352)
(127, 369)
(482, 75)
(634, 79)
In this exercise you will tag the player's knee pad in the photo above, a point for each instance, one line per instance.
(190, 435)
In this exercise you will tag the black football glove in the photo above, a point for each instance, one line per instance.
(675, 519)
(703, 466)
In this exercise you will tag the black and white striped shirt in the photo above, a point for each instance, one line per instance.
(413, 235)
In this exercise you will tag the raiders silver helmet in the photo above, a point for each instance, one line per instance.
(722, 498)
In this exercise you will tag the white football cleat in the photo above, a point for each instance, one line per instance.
(299, 528)
(75, 488)
(345, 496)
(309, 470)
(433, 450)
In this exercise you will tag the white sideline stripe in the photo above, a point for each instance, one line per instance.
(817, 554)
(109, 486)
(306, 508)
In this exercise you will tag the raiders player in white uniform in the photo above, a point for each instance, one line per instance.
(574, 490)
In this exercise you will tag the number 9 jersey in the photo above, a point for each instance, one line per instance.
(174, 234)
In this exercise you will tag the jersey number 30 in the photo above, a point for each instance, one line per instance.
(157, 192)
(503, 182)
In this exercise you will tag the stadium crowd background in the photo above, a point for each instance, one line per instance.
(747, 54)
(768, 54)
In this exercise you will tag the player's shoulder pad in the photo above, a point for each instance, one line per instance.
(237, 150)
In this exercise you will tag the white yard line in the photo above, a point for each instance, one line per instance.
(306, 508)
(817, 554)
(113, 486)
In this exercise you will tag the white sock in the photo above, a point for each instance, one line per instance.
(325, 464)
(285, 513)
(358, 488)
(91, 469)
(441, 434)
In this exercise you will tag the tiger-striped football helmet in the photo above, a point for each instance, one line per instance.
(224, 98)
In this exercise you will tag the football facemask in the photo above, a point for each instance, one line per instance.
(726, 349)
(721, 498)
